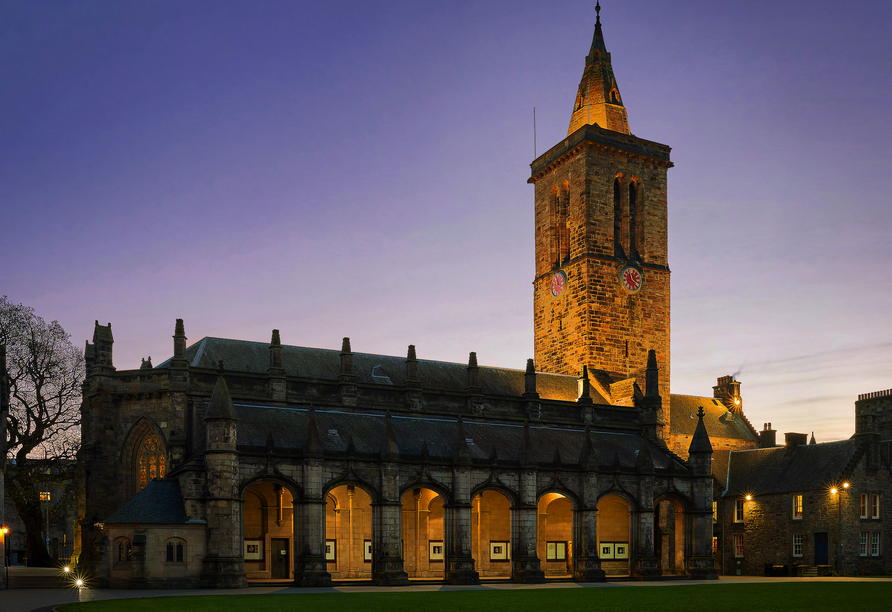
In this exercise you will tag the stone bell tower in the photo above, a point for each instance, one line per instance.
(601, 290)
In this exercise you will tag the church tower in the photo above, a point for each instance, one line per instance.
(601, 290)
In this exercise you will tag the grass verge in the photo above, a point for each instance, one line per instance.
(763, 597)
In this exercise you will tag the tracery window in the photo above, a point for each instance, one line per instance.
(150, 459)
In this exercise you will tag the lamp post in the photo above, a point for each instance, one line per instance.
(45, 497)
(3, 532)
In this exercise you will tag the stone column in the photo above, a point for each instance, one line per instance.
(460, 560)
(387, 558)
(645, 565)
(525, 567)
(586, 561)
(310, 567)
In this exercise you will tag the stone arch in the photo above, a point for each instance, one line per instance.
(439, 488)
(144, 441)
(615, 532)
(295, 489)
(497, 487)
(492, 528)
(555, 522)
(423, 524)
(356, 481)
(348, 528)
(269, 527)
(671, 533)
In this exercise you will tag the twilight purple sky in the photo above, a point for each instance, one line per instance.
(358, 168)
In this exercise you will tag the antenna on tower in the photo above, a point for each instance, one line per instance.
(534, 133)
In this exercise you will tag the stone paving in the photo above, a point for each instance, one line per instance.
(44, 600)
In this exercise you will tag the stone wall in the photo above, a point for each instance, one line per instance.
(769, 526)
(594, 322)
(137, 556)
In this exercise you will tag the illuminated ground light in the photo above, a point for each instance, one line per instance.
(70, 573)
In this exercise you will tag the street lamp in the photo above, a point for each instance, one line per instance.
(45, 497)
(3, 532)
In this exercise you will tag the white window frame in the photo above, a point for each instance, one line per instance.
(875, 506)
(798, 506)
(865, 502)
(875, 544)
(797, 544)
(864, 543)
(737, 540)
(739, 510)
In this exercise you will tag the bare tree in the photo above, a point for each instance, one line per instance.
(44, 373)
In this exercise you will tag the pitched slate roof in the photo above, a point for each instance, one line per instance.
(770, 470)
(718, 421)
(159, 502)
(324, 364)
(288, 426)
(720, 458)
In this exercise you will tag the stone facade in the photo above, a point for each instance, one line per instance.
(375, 488)
(808, 507)
(309, 465)
(136, 556)
(594, 321)
(875, 408)
(601, 290)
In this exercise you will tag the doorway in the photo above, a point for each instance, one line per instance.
(821, 548)
(279, 558)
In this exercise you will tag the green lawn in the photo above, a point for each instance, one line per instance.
(785, 597)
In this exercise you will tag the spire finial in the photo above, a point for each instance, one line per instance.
(598, 13)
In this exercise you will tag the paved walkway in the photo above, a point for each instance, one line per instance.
(29, 600)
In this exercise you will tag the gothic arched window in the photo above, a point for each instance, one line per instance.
(633, 220)
(617, 219)
(150, 460)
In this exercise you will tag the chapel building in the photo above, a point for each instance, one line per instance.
(237, 461)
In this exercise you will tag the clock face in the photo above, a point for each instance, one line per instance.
(557, 283)
(631, 278)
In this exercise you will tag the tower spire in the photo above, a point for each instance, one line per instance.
(598, 101)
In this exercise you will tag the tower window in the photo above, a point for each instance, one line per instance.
(633, 220)
(617, 219)
(561, 202)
